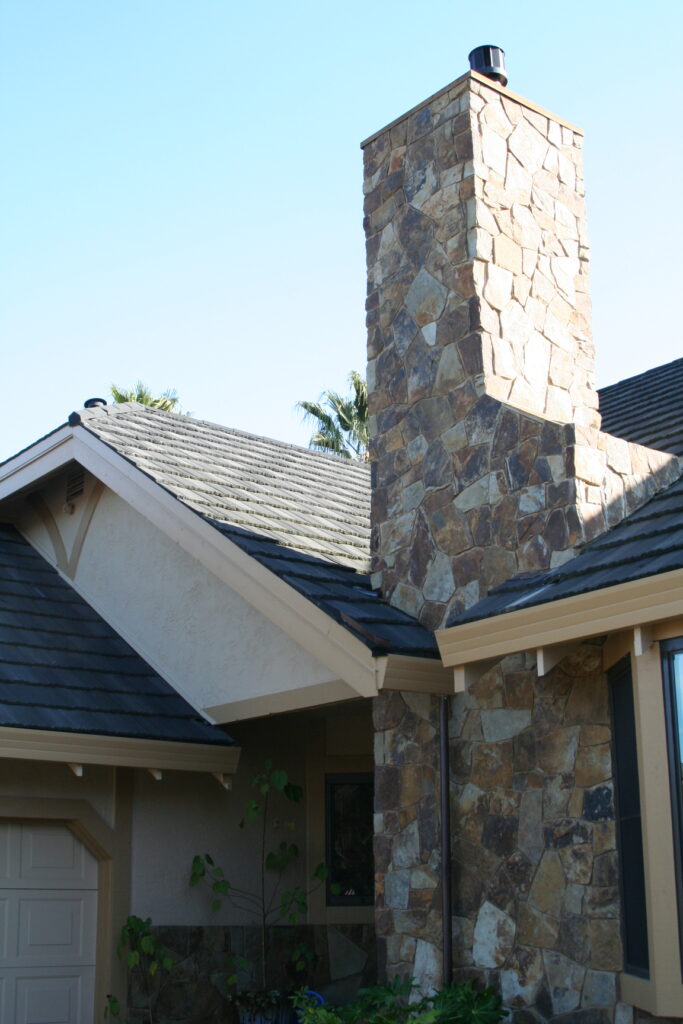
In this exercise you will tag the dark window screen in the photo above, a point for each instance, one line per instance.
(672, 672)
(348, 839)
(629, 828)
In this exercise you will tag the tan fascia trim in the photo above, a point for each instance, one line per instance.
(330, 643)
(625, 606)
(414, 675)
(120, 751)
(460, 83)
(393, 672)
(287, 700)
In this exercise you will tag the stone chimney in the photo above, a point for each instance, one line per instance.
(486, 451)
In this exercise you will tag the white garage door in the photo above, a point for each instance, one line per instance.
(48, 918)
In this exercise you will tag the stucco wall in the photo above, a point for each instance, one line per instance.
(200, 635)
(31, 779)
(186, 814)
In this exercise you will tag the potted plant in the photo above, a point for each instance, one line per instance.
(271, 902)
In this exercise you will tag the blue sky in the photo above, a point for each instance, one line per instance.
(181, 187)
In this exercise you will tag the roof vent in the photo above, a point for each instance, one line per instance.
(489, 61)
(94, 403)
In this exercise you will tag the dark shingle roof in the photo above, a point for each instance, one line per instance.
(302, 514)
(648, 408)
(63, 668)
(648, 542)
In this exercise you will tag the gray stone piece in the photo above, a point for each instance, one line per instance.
(494, 935)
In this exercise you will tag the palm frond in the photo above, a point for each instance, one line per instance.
(341, 420)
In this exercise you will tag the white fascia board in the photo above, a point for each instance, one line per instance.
(332, 644)
(44, 457)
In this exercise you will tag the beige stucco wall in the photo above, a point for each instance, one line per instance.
(30, 779)
(200, 635)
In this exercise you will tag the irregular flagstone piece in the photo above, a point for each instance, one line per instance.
(503, 724)
(565, 981)
(547, 889)
(522, 980)
(494, 935)
(428, 968)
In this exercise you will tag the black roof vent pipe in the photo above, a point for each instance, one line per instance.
(489, 61)
(94, 403)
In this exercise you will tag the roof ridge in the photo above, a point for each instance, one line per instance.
(354, 465)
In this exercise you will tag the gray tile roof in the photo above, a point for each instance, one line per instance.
(63, 668)
(648, 542)
(648, 408)
(302, 514)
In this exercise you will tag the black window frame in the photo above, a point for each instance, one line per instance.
(668, 649)
(332, 779)
(628, 821)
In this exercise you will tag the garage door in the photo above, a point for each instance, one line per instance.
(48, 918)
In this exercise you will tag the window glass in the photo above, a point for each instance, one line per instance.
(628, 821)
(672, 672)
(348, 839)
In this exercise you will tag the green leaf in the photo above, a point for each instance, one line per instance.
(216, 904)
(279, 779)
(133, 958)
(153, 967)
(293, 792)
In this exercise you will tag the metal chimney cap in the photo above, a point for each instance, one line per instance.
(94, 403)
(489, 61)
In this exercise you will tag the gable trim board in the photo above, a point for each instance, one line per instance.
(352, 662)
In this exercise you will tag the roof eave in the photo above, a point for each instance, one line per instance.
(121, 751)
(580, 617)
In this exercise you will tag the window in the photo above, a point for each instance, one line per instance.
(348, 838)
(628, 821)
(672, 673)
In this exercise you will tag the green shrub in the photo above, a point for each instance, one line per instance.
(457, 1003)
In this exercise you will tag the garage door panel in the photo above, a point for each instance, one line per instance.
(48, 926)
(53, 854)
(51, 928)
(9, 843)
(50, 996)
(4, 927)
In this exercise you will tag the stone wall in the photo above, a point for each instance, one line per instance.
(486, 453)
(483, 491)
(535, 897)
(407, 845)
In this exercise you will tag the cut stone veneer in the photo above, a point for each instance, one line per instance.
(408, 919)
(535, 897)
(486, 452)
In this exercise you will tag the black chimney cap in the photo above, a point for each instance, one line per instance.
(94, 403)
(489, 61)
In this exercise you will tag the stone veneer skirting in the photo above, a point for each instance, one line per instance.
(193, 994)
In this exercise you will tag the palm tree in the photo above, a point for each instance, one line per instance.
(341, 423)
(167, 401)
